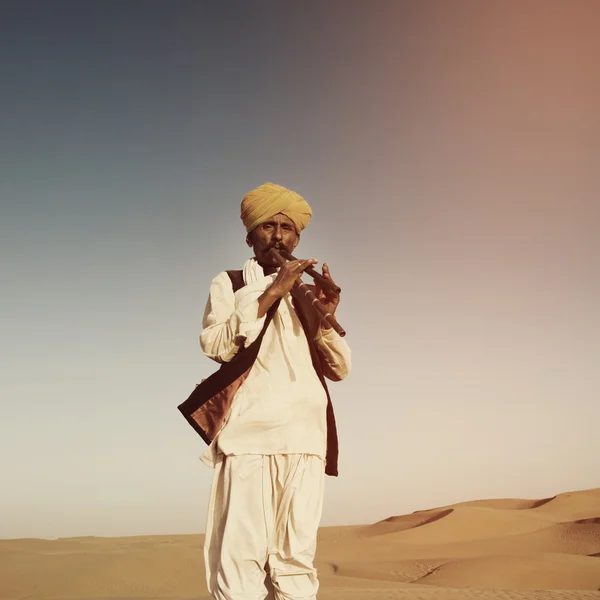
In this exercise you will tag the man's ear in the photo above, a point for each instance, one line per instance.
(248, 241)
(297, 240)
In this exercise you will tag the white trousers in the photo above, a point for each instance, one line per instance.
(261, 533)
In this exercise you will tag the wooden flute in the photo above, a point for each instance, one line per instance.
(325, 316)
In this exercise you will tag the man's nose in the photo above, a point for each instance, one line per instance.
(277, 233)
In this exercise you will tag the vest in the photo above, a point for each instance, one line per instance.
(207, 406)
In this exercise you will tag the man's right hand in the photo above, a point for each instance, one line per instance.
(283, 284)
(287, 275)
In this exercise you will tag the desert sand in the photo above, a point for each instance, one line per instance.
(487, 549)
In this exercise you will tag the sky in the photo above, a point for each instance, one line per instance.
(450, 151)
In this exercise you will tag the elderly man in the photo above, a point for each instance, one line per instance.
(277, 441)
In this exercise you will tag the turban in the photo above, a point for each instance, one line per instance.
(270, 199)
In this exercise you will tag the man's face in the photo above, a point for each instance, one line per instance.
(279, 231)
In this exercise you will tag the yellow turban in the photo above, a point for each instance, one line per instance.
(270, 199)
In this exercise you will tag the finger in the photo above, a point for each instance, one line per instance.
(309, 263)
(295, 265)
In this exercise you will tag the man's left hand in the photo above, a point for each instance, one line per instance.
(328, 298)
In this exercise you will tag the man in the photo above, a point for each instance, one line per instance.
(277, 440)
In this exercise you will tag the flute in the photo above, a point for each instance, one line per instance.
(325, 283)
(325, 316)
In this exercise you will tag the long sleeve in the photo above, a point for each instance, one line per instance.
(334, 353)
(230, 320)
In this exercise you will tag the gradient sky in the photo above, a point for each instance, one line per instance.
(450, 150)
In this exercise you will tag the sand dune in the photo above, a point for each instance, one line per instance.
(571, 506)
(471, 523)
(551, 571)
(499, 549)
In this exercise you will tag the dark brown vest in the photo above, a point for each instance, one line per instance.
(209, 403)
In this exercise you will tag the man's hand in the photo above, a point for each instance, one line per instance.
(283, 284)
(287, 275)
(328, 298)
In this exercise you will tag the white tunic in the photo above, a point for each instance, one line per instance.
(281, 406)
